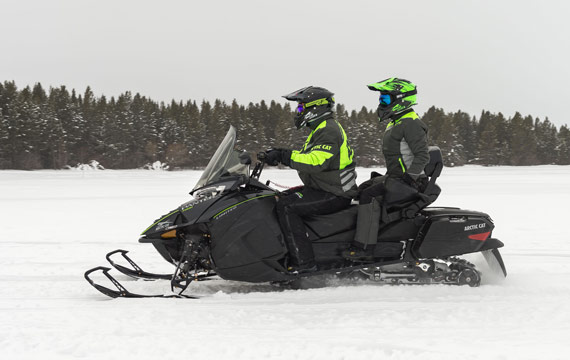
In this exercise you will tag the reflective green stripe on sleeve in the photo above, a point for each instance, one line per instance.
(314, 157)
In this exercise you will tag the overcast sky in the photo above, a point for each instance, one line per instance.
(498, 55)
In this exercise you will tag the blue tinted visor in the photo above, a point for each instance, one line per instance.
(385, 99)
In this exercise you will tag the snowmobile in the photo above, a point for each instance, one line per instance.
(230, 230)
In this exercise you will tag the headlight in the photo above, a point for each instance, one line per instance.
(169, 234)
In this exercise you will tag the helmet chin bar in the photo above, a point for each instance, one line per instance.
(384, 113)
(387, 112)
(301, 119)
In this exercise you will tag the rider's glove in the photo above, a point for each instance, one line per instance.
(286, 157)
(272, 157)
(408, 179)
(276, 156)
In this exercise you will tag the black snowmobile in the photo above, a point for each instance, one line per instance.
(230, 230)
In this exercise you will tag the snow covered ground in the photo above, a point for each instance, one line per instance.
(57, 224)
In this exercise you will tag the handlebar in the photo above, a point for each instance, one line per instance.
(256, 173)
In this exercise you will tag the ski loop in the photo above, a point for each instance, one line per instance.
(138, 272)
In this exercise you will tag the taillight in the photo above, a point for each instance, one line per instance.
(480, 237)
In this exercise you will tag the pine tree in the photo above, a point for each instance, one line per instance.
(503, 137)
(29, 132)
(563, 148)
(207, 124)
(140, 132)
(523, 143)
(546, 142)
(466, 136)
(286, 134)
(488, 142)
(9, 131)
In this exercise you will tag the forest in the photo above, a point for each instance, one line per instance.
(57, 128)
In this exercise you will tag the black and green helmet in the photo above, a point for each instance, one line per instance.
(396, 96)
(314, 105)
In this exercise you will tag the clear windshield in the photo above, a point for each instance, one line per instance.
(225, 162)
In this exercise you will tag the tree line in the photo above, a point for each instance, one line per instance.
(55, 128)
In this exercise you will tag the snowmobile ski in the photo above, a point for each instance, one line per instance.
(136, 272)
(121, 290)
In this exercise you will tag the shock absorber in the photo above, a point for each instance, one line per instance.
(193, 246)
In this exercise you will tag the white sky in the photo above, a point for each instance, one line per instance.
(497, 55)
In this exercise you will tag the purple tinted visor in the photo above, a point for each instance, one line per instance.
(300, 108)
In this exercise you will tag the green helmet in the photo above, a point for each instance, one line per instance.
(396, 96)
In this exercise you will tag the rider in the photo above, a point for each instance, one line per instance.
(326, 167)
(405, 149)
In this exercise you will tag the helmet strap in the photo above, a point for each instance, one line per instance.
(406, 94)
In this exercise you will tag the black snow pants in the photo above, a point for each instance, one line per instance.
(293, 207)
(375, 195)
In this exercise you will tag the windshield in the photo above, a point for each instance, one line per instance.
(225, 162)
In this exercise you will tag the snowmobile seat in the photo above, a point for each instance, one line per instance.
(423, 199)
(331, 224)
(402, 201)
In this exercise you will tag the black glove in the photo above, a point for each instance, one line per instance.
(286, 157)
(276, 156)
(273, 157)
(422, 182)
(408, 179)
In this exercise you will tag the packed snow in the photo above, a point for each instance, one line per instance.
(57, 224)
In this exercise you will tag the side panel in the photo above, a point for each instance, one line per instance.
(452, 232)
(401, 230)
(246, 240)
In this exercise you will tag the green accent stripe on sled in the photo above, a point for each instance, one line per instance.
(239, 203)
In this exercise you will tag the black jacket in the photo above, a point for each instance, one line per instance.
(405, 146)
(325, 162)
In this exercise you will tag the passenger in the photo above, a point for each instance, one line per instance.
(405, 150)
(326, 167)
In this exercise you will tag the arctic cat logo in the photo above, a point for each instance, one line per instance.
(310, 115)
(475, 227)
(163, 225)
(324, 147)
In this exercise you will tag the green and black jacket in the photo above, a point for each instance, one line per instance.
(405, 146)
(325, 162)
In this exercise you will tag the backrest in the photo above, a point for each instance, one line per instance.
(433, 170)
(423, 199)
(435, 164)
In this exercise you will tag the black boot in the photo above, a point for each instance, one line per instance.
(366, 237)
(367, 224)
